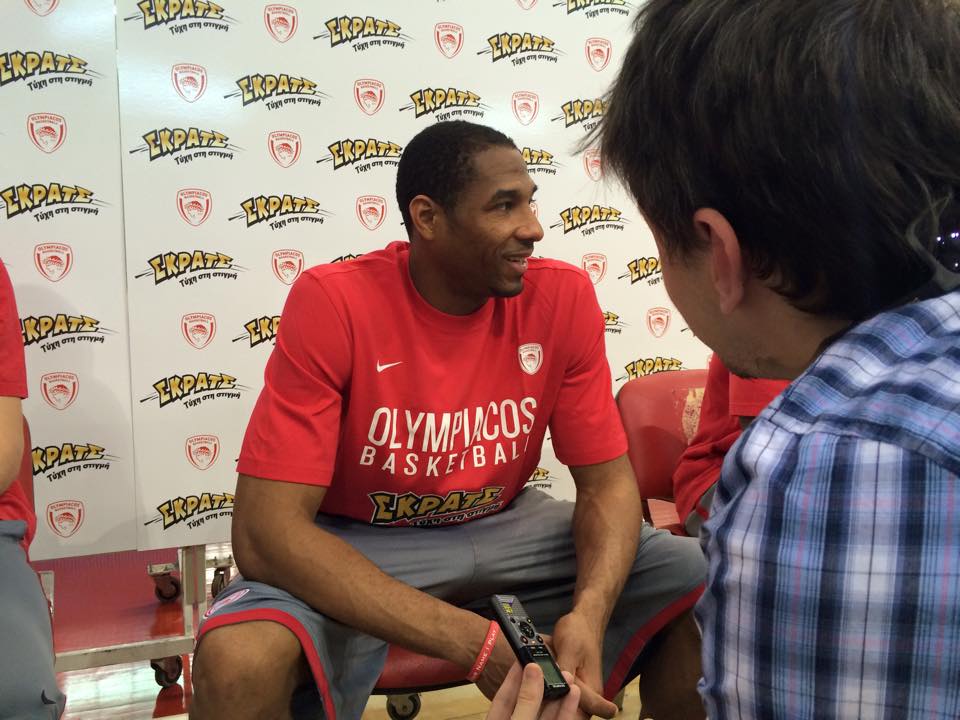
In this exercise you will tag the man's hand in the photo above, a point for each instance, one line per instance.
(521, 693)
(497, 667)
(577, 645)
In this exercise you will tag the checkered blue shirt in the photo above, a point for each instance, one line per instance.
(834, 540)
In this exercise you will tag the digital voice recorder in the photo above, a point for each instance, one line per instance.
(527, 644)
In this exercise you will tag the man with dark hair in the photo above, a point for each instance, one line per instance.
(381, 494)
(798, 163)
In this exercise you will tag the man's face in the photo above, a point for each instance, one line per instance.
(485, 240)
(689, 283)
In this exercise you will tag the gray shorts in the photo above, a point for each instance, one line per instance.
(526, 550)
(28, 685)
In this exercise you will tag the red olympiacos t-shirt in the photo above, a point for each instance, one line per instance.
(13, 383)
(411, 416)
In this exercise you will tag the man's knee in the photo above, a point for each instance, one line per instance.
(234, 664)
(682, 560)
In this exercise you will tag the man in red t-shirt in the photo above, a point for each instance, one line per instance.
(28, 686)
(729, 404)
(381, 494)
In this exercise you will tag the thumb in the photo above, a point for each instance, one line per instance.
(531, 693)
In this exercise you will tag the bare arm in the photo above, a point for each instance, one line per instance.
(606, 534)
(275, 541)
(11, 441)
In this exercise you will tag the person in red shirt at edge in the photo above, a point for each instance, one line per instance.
(381, 492)
(729, 404)
(28, 685)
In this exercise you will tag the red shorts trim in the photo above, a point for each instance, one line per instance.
(643, 635)
(294, 626)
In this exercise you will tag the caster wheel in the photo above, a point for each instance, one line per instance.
(167, 588)
(221, 578)
(166, 671)
(403, 707)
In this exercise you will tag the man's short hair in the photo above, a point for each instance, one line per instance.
(437, 162)
(825, 131)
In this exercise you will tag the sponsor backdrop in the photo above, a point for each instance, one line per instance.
(258, 139)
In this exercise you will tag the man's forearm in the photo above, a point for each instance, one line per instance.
(606, 530)
(334, 578)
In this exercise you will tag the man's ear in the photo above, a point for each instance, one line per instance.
(726, 261)
(424, 214)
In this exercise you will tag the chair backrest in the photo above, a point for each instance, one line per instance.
(25, 476)
(660, 414)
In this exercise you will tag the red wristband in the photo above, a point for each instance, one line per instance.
(485, 651)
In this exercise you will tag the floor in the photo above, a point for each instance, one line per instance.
(109, 600)
(129, 692)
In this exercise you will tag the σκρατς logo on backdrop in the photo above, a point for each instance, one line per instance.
(595, 8)
(194, 205)
(521, 48)
(580, 111)
(448, 38)
(281, 21)
(281, 210)
(612, 323)
(598, 52)
(43, 69)
(192, 389)
(525, 105)
(198, 329)
(53, 260)
(595, 265)
(59, 389)
(446, 104)
(260, 330)
(287, 265)
(345, 258)
(658, 321)
(185, 145)
(181, 16)
(644, 268)
(194, 510)
(46, 131)
(64, 517)
(189, 80)
(56, 461)
(190, 266)
(540, 161)
(284, 147)
(363, 33)
(371, 211)
(202, 450)
(588, 219)
(541, 478)
(50, 332)
(48, 200)
(276, 91)
(363, 154)
(369, 95)
(650, 366)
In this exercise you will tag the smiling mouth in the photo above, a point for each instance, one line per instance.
(519, 262)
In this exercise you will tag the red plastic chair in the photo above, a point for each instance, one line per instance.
(407, 674)
(660, 414)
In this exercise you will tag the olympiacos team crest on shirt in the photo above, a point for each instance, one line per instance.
(531, 357)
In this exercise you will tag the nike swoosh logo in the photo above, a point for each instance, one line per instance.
(45, 700)
(381, 368)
